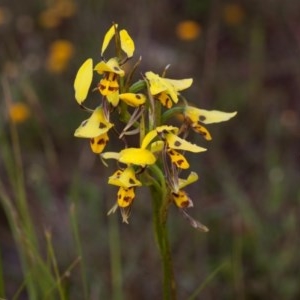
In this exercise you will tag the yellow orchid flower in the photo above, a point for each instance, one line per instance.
(95, 126)
(180, 197)
(165, 89)
(154, 133)
(83, 81)
(109, 84)
(124, 178)
(196, 116)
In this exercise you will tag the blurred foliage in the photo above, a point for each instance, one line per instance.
(245, 57)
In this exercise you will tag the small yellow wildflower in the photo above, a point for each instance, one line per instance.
(188, 30)
(19, 112)
(60, 53)
(165, 89)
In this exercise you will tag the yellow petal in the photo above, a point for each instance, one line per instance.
(133, 99)
(137, 156)
(191, 178)
(83, 80)
(157, 85)
(111, 155)
(157, 146)
(98, 143)
(148, 138)
(207, 116)
(95, 126)
(111, 66)
(182, 200)
(215, 116)
(125, 196)
(164, 99)
(178, 159)
(153, 133)
(180, 84)
(169, 86)
(108, 36)
(197, 127)
(175, 142)
(166, 128)
(127, 44)
(124, 178)
(113, 98)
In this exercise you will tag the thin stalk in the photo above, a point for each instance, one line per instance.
(74, 224)
(54, 264)
(207, 280)
(160, 207)
(115, 258)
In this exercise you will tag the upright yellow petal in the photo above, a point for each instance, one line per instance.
(108, 36)
(83, 80)
(127, 44)
(148, 138)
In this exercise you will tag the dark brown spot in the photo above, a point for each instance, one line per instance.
(101, 87)
(119, 196)
(112, 76)
(92, 141)
(184, 204)
(202, 118)
(177, 144)
(127, 199)
(112, 88)
(102, 125)
(137, 96)
(131, 181)
(116, 68)
(180, 162)
(101, 142)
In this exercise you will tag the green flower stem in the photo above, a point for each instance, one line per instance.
(171, 112)
(160, 208)
(137, 86)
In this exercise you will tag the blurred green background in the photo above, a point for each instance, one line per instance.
(243, 55)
